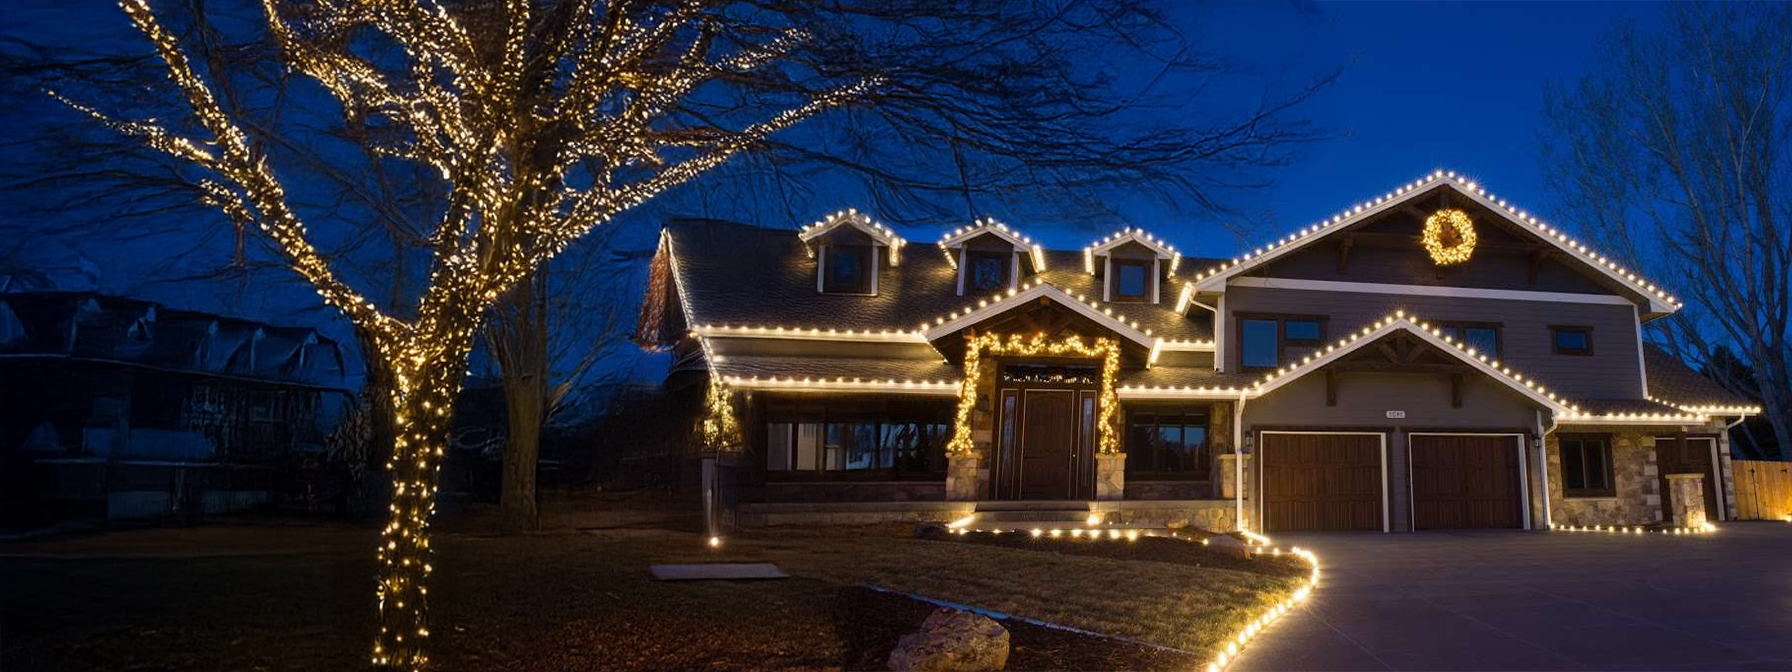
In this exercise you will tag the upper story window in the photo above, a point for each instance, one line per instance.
(1132, 280)
(1483, 337)
(986, 271)
(1571, 340)
(848, 269)
(1262, 338)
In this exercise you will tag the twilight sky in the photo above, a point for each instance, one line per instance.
(1453, 85)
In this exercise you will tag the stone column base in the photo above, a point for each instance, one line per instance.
(1686, 494)
(961, 478)
(1110, 476)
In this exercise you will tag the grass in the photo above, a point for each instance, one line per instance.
(300, 598)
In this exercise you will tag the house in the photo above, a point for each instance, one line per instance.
(1432, 358)
(123, 408)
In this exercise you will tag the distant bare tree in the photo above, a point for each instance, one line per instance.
(1676, 152)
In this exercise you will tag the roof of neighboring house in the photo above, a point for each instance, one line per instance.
(1672, 381)
(740, 275)
(102, 328)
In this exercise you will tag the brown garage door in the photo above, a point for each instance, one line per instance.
(1465, 482)
(1321, 481)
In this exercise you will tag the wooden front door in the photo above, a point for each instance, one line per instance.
(1465, 482)
(1321, 481)
(1048, 441)
(1691, 457)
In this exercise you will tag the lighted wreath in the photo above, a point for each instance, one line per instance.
(1449, 237)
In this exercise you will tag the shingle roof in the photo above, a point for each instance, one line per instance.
(1671, 380)
(735, 274)
(836, 368)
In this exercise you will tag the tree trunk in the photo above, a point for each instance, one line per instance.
(428, 372)
(519, 340)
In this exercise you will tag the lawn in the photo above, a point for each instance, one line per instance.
(260, 597)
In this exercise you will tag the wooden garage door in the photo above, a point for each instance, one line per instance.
(1321, 482)
(1465, 482)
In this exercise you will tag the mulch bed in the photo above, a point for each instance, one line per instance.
(1152, 549)
(872, 622)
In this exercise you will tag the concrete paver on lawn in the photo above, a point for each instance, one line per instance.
(1540, 601)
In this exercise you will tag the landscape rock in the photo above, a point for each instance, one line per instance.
(1226, 543)
(952, 640)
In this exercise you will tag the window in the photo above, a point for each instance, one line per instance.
(1132, 280)
(1261, 338)
(848, 269)
(986, 271)
(1258, 348)
(1483, 337)
(1586, 466)
(886, 448)
(1571, 340)
(1301, 332)
(1167, 443)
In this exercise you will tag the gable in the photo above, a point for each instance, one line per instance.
(987, 311)
(1520, 250)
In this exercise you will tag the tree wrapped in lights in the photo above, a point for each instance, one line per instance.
(543, 120)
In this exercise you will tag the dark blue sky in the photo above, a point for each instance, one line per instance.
(1426, 85)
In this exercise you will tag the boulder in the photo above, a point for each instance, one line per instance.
(953, 640)
(1226, 543)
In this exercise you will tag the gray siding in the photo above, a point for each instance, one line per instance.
(1410, 264)
(1612, 371)
(1364, 400)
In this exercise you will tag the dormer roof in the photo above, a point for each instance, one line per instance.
(876, 230)
(1158, 246)
(1214, 279)
(958, 237)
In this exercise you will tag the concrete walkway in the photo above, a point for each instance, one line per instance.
(1540, 601)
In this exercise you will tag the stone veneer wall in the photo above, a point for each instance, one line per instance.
(1729, 475)
(983, 425)
(1213, 515)
(1638, 500)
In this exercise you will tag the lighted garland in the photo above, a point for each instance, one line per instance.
(1449, 237)
(720, 428)
(1107, 349)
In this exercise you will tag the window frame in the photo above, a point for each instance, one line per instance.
(867, 266)
(1555, 346)
(1281, 330)
(1499, 334)
(933, 435)
(1116, 265)
(971, 258)
(1609, 474)
(1203, 458)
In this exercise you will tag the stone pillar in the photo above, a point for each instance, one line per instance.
(961, 478)
(1110, 476)
(1227, 478)
(1686, 492)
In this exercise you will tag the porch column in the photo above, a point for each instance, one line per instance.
(1110, 476)
(1686, 493)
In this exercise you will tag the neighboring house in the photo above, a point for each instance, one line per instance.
(1373, 376)
(133, 408)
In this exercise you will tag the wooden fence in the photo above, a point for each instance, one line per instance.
(1763, 490)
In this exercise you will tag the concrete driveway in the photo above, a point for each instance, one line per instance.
(1541, 601)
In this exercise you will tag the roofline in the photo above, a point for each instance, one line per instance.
(1162, 248)
(892, 386)
(957, 238)
(861, 221)
(277, 382)
(986, 309)
(1215, 279)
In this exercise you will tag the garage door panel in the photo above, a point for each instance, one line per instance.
(1321, 481)
(1465, 482)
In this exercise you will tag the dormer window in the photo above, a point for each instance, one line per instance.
(1132, 265)
(847, 269)
(990, 257)
(986, 271)
(1132, 280)
(847, 248)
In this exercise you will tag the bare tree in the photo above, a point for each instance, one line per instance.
(1674, 151)
(542, 120)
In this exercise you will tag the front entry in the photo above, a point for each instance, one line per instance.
(1045, 425)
